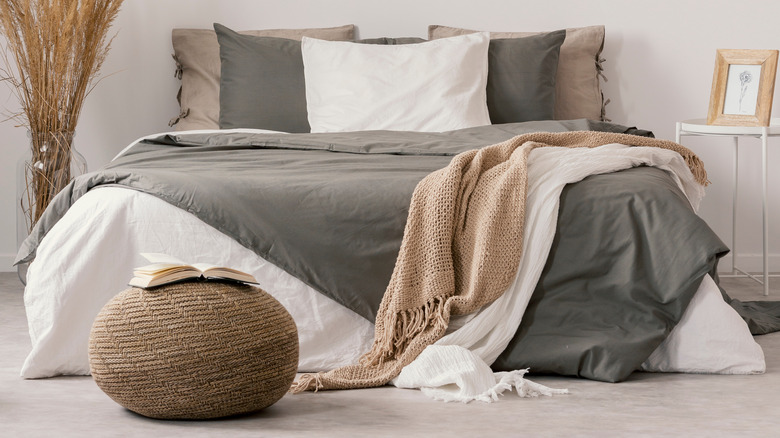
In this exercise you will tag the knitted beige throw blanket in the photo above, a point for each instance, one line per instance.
(461, 249)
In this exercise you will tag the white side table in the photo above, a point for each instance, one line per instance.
(700, 127)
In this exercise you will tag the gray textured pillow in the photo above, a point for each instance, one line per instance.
(578, 91)
(197, 56)
(262, 83)
(521, 77)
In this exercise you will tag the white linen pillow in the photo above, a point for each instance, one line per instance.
(432, 86)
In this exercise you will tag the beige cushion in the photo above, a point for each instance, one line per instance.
(197, 54)
(578, 91)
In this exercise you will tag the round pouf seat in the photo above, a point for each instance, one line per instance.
(194, 350)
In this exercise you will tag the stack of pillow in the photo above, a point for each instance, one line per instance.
(318, 80)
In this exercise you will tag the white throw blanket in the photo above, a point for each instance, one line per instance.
(487, 332)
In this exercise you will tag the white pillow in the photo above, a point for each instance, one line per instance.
(432, 86)
(711, 338)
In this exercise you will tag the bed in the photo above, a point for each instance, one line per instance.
(310, 195)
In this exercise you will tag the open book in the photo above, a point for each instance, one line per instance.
(166, 269)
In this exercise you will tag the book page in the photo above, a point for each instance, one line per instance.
(156, 257)
(203, 267)
(158, 269)
(169, 277)
(214, 271)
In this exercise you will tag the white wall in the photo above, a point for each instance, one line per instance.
(660, 58)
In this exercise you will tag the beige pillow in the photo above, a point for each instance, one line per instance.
(577, 88)
(196, 52)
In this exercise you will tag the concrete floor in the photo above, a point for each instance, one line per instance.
(645, 405)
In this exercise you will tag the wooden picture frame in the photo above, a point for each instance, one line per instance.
(742, 87)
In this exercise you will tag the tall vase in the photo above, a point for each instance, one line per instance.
(50, 164)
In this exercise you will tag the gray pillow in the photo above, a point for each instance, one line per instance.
(521, 77)
(261, 83)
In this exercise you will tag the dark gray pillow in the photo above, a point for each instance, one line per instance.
(262, 83)
(521, 77)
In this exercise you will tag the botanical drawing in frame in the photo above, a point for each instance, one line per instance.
(742, 87)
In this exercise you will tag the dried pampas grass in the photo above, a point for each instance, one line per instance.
(53, 52)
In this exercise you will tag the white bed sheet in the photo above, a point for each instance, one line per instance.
(89, 256)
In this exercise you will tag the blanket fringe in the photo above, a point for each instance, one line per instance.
(307, 382)
(697, 169)
(506, 381)
(527, 388)
(402, 327)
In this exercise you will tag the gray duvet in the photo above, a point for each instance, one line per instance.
(628, 255)
(330, 209)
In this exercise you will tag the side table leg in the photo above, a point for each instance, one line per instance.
(734, 207)
(764, 139)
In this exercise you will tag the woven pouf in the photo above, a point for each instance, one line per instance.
(194, 350)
